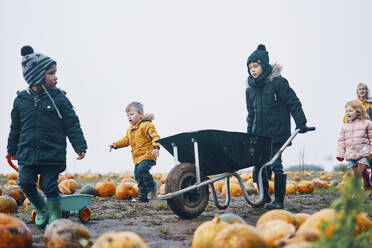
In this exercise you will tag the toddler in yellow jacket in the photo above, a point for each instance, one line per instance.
(141, 136)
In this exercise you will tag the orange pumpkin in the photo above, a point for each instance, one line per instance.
(316, 220)
(15, 192)
(63, 189)
(235, 190)
(271, 187)
(276, 231)
(70, 184)
(305, 187)
(290, 189)
(66, 233)
(239, 236)
(218, 185)
(204, 235)
(163, 179)
(162, 189)
(14, 233)
(123, 239)
(278, 214)
(7, 204)
(296, 178)
(11, 182)
(12, 176)
(124, 191)
(106, 188)
(301, 217)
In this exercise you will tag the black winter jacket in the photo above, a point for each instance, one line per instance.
(37, 134)
(270, 106)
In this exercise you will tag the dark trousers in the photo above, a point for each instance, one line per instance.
(276, 167)
(143, 176)
(27, 179)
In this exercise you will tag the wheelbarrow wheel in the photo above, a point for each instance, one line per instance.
(192, 203)
(84, 214)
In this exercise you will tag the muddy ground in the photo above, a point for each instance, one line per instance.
(157, 224)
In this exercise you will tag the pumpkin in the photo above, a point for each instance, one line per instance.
(308, 236)
(290, 189)
(296, 178)
(250, 188)
(66, 233)
(61, 177)
(16, 193)
(315, 221)
(235, 190)
(124, 191)
(245, 176)
(112, 175)
(239, 236)
(218, 185)
(231, 218)
(305, 187)
(106, 188)
(14, 233)
(7, 204)
(11, 182)
(12, 176)
(276, 231)
(339, 186)
(123, 239)
(278, 214)
(63, 189)
(271, 187)
(204, 235)
(128, 180)
(162, 189)
(363, 223)
(163, 179)
(301, 217)
(70, 184)
(88, 189)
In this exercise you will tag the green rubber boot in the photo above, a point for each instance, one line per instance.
(54, 209)
(38, 202)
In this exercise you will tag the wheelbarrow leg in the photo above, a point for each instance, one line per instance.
(228, 196)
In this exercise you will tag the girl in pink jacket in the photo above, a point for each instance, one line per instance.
(355, 140)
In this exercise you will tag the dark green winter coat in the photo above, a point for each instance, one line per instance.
(270, 106)
(37, 134)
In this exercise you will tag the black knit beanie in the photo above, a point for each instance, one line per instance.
(260, 56)
(34, 66)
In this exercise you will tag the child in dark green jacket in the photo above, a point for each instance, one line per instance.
(270, 103)
(42, 118)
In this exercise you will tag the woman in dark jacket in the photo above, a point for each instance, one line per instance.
(42, 118)
(270, 104)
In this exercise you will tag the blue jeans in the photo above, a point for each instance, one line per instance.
(27, 179)
(143, 177)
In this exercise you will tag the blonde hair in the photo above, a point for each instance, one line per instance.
(137, 105)
(362, 85)
(358, 108)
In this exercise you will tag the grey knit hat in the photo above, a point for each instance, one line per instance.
(34, 66)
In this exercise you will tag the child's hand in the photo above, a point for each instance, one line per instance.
(340, 159)
(81, 155)
(112, 146)
(155, 153)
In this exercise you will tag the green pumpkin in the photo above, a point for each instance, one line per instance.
(88, 189)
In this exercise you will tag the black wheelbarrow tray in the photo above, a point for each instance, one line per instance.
(204, 153)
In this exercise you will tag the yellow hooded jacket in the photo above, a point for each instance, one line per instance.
(142, 137)
(366, 105)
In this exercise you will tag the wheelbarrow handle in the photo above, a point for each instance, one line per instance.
(10, 162)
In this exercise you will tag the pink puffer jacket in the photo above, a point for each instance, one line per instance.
(355, 140)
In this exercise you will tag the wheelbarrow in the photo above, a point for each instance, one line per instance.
(204, 153)
(75, 202)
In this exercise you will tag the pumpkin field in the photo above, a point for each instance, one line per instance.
(112, 216)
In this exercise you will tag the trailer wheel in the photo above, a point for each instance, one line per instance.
(192, 203)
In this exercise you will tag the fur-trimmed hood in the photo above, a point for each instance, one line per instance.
(148, 117)
(275, 72)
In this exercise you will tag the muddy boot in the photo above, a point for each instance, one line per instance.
(280, 185)
(54, 209)
(266, 197)
(40, 207)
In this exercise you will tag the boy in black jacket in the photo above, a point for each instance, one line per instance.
(42, 117)
(270, 104)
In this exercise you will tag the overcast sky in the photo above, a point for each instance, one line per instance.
(186, 62)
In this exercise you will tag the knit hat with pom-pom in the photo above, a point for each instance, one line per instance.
(34, 66)
(260, 56)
